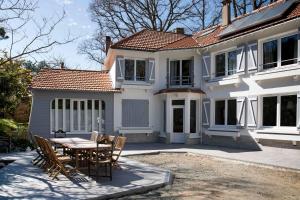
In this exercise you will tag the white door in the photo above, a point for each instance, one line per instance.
(178, 125)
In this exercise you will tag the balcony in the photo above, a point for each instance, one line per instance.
(178, 81)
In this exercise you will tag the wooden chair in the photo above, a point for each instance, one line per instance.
(5, 142)
(94, 136)
(57, 162)
(118, 148)
(101, 157)
(39, 157)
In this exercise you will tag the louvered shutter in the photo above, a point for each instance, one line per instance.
(120, 68)
(298, 43)
(192, 71)
(151, 68)
(252, 57)
(168, 73)
(206, 112)
(240, 59)
(252, 111)
(206, 67)
(240, 107)
(298, 110)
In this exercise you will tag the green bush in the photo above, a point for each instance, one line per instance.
(7, 126)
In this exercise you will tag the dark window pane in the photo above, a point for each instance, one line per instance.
(220, 65)
(186, 76)
(129, 70)
(193, 117)
(89, 104)
(289, 50)
(269, 111)
(231, 62)
(270, 54)
(165, 116)
(53, 104)
(231, 114)
(177, 102)
(102, 105)
(220, 112)
(178, 120)
(60, 104)
(140, 70)
(97, 105)
(288, 110)
(75, 105)
(67, 103)
(82, 105)
(175, 72)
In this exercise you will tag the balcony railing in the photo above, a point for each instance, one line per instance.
(180, 80)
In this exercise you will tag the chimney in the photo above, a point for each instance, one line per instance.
(226, 12)
(62, 65)
(179, 30)
(108, 43)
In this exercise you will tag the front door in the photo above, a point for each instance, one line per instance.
(178, 125)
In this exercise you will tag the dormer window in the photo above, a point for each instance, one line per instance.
(280, 52)
(135, 70)
(226, 63)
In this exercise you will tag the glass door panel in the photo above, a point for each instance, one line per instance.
(178, 120)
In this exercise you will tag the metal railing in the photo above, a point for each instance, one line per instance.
(180, 80)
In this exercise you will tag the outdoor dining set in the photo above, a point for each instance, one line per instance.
(62, 155)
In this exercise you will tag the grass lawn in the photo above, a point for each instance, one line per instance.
(203, 177)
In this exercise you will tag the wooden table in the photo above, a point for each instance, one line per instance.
(78, 145)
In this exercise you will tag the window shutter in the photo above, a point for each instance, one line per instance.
(192, 70)
(298, 110)
(206, 112)
(240, 107)
(252, 57)
(120, 68)
(206, 67)
(298, 45)
(168, 73)
(151, 70)
(252, 111)
(240, 61)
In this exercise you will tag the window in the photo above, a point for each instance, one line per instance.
(135, 113)
(280, 110)
(289, 50)
(135, 70)
(220, 112)
(193, 118)
(285, 48)
(72, 115)
(288, 110)
(220, 65)
(225, 112)
(178, 102)
(129, 70)
(180, 72)
(270, 54)
(226, 63)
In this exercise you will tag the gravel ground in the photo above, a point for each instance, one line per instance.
(203, 177)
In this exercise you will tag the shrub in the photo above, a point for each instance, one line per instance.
(7, 126)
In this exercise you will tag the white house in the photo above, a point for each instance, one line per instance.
(231, 85)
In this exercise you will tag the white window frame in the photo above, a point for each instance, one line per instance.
(226, 51)
(134, 69)
(278, 38)
(278, 113)
(78, 131)
(226, 114)
(180, 73)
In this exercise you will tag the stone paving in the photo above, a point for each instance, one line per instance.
(22, 180)
(269, 156)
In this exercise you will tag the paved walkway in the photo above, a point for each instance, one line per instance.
(22, 180)
(270, 156)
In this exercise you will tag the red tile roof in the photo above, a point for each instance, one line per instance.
(149, 40)
(68, 79)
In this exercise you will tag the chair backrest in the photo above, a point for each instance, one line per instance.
(60, 134)
(94, 136)
(120, 143)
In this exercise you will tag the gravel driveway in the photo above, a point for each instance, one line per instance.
(204, 177)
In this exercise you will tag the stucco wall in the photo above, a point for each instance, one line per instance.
(40, 111)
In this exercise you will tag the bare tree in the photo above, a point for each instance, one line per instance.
(15, 17)
(120, 18)
(241, 7)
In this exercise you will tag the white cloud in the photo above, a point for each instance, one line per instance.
(67, 2)
(72, 24)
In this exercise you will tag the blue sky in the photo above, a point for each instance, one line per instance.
(76, 22)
